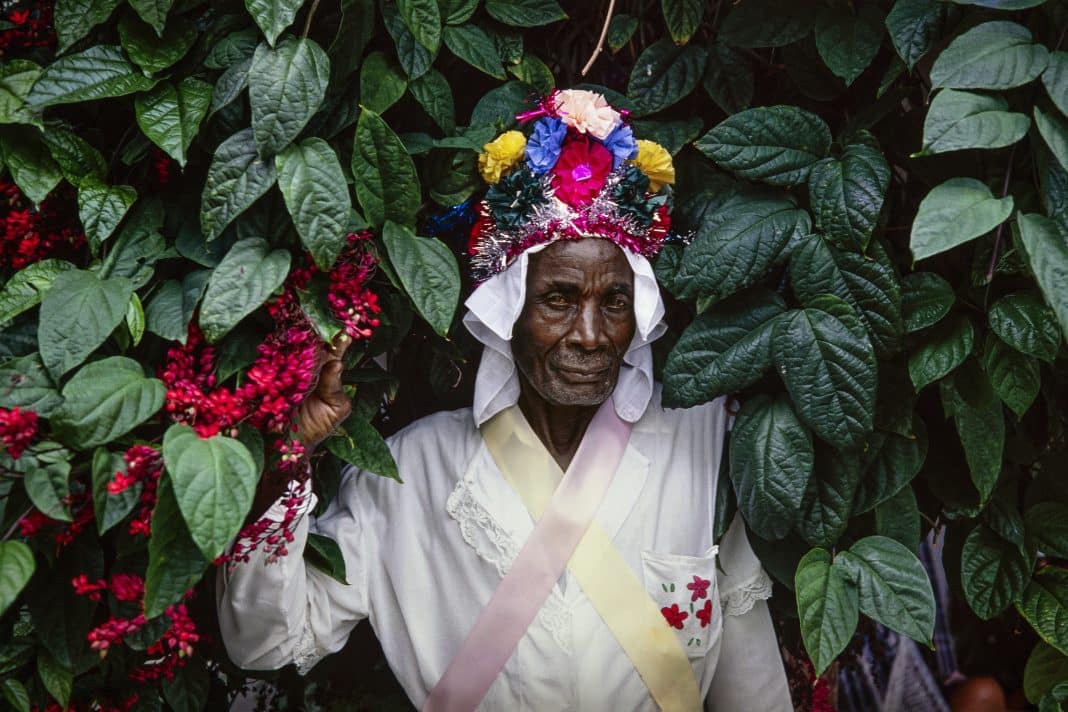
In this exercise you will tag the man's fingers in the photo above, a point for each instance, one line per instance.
(330, 386)
(339, 345)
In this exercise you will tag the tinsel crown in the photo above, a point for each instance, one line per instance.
(577, 173)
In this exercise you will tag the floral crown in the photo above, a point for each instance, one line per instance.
(579, 174)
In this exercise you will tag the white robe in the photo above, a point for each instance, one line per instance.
(424, 557)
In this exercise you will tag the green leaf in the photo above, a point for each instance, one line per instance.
(773, 144)
(981, 427)
(242, 281)
(1047, 252)
(170, 115)
(428, 272)
(826, 605)
(993, 572)
(828, 500)
(317, 197)
(1045, 606)
(913, 26)
(286, 86)
(105, 400)
(829, 372)
(387, 185)
(74, 19)
(893, 586)
(1016, 378)
(1045, 668)
(672, 135)
(16, 695)
(101, 208)
(155, 52)
(993, 55)
(1023, 321)
(77, 158)
(899, 519)
(110, 509)
(138, 246)
(471, 44)
(29, 162)
(925, 299)
(48, 487)
(57, 679)
(235, 47)
(24, 383)
(175, 563)
(847, 194)
(847, 42)
(78, 313)
(959, 119)
(771, 461)
(188, 690)
(323, 553)
(135, 319)
(620, 29)
(1047, 528)
(942, 350)
(236, 179)
(664, 74)
(728, 78)
(956, 212)
(766, 23)
(434, 94)
(1055, 79)
(382, 83)
(497, 109)
(423, 20)
(723, 350)
(414, 58)
(16, 79)
(97, 73)
(682, 18)
(214, 480)
(230, 85)
(525, 13)
(894, 461)
(25, 288)
(273, 16)
(534, 72)
(16, 568)
(1054, 130)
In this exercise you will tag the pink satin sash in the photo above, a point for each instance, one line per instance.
(540, 564)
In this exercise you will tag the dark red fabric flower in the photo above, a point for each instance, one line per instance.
(699, 588)
(705, 614)
(674, 616)
(581, 170)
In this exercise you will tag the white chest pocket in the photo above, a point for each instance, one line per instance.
(684, 589)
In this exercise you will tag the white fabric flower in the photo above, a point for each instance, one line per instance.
(587, 112)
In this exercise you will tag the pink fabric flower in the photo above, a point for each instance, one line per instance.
(580, 173)
(699, 588)
(587, 112)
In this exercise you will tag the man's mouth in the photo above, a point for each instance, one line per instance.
(584, 375)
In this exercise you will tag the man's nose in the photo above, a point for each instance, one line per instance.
(587, 331)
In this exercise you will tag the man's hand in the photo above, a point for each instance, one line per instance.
(327, 406)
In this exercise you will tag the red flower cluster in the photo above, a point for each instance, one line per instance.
(162, 165)
(144, 465)
(32, 27)
(272, 532)
(17, 429)
(31, 234)
(350, 302)
(36, 521)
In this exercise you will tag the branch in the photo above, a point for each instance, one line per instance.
(1001, 227)
(7, 535)
(600, 40)
(311, 14)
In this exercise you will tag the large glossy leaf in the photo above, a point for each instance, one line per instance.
(525, 13)
(214, 480)
(286, 86)
(766, 23)
(848, 41)
(428, 272)
(1055, 79)
(78, 313)
(26, 287)
(728, 78)
(414, 57)
(664, 74)
(16, 79)
(29, 162)
(847, 194)
(101, 208)
(682, 18)
(898, 518)
(473, 45)
(77, 158)
(941, 351)
(958, 120)
(16, 568)
(1046, 667)
(273, 16)
(893, 586)
(829, 372)
(955, 212)
(827, 607)
(387, 186)
(828, 500)
(247, 275)
(993, 573)
(925, 298)
(1047, 528)
(174, 561)
(229, 85)
(110, 509)
(1015, 377)
(57, 679)
(170, 115)
(74, 19)
(24, 383)
(913, 26)
(723, 350)
(1047, 251)
(423, 19)
(316, 196)
(1054, 130)
(382, 83)
(771, 461)
(236, 179)
(154, 52)
(48, 487)
(1044, 604)
(99, 72)
(360, 444)
(773, 144)
(104, 400)
(993, 55)
(893, 461)
(1023, 321)
(434, 94)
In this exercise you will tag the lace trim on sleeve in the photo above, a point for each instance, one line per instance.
(307, 653)
(739, 600)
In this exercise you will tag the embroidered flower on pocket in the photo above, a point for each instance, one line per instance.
(675, 617)
(705, 614)
(699, 587)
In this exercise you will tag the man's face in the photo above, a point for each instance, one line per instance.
(577, 321)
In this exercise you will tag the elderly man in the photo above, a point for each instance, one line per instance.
(551, 547)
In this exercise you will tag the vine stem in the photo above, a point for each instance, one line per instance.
(11, 530)
(308, 19)
(600, 40)
(1001, 227)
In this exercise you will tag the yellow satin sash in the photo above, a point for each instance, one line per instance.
(609, 582)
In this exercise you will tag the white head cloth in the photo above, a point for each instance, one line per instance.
(496, 304)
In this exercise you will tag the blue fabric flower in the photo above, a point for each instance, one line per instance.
(543, 146)
(621, 145)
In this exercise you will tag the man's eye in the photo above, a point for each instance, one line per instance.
(618, 302)
(556, 300)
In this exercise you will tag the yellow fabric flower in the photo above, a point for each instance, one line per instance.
(655, 162)
(501, 155)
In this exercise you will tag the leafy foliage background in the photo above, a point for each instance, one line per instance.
(877, 195)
